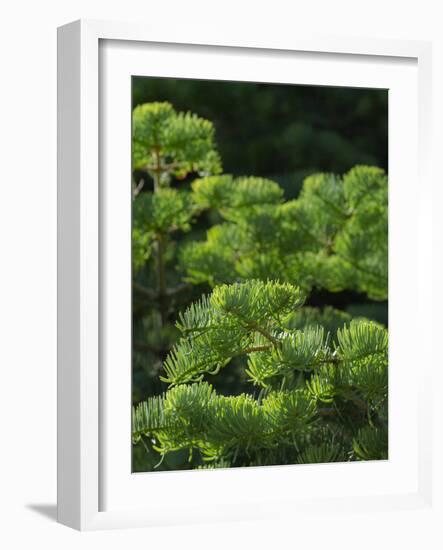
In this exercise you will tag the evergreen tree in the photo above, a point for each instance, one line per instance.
(316, 400)
(314, 382)
(334, 236)
(166, 147)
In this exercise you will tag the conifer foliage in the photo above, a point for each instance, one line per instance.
(312, 399)
(314, 383)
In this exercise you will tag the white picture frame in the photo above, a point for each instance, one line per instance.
(95, 491)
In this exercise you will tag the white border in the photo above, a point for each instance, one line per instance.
(119, 488)
(78, 303)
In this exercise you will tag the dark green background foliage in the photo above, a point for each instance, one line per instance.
(282, 133)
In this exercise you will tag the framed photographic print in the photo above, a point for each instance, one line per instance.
(240, 222)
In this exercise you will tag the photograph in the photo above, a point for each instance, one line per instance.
(259, 274)
(223, 262)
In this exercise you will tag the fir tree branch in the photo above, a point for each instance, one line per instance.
(255, 327)
(332, 206)
(287, 423)
(254, 349)
(145, 291)
(157, 168)
(143, 346)
(328, 246)
(358, 267)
